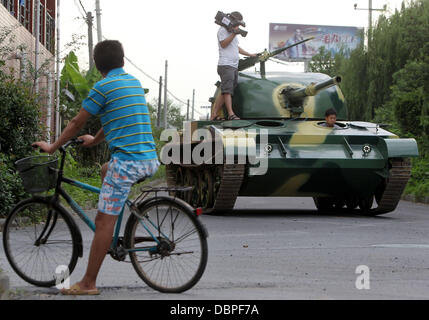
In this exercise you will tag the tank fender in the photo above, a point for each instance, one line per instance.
(400, 148)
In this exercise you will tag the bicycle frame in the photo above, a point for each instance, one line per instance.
(59, 191)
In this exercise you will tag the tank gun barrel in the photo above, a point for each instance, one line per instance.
(265, 55)
(311, 90)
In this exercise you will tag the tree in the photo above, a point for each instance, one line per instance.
(174, 117)
(324, 62)
(75, 87)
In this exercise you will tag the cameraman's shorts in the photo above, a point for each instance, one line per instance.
(120, 176)
(228, 78)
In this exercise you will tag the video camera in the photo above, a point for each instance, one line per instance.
(231, 20)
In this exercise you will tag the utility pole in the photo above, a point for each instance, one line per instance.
(158, 118)
(57, 108)
(36, 48)
(49, 109)
(193, 104)
(370, 10)
(165, 95)
(187, 112)
(369, 20)
(98, 15)
(89, 19)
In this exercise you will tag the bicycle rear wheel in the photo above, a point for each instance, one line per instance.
(176, 260)
(38, 238)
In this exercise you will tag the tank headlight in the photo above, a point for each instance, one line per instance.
(366, 149)
(268, 148)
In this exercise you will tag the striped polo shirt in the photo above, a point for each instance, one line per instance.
(119, 101)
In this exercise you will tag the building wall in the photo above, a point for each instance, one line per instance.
(22, 67)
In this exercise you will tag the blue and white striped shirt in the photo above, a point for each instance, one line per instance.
(119, 100)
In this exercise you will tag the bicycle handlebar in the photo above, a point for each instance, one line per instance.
(74, 141)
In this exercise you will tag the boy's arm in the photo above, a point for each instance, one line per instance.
(72, 129)
(90, 141)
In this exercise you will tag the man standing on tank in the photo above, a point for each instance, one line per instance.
(227, 69)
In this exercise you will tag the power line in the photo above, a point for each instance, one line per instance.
(83, 7)
(153, 79)
(130, 61)
(80, 9)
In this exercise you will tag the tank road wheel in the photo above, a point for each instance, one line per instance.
(365, 204)
(180, 182)
(206, 188)
(191, 179)
(217, 179)
(323, 204)
(338, 203)
(352, 202)
(379, 191)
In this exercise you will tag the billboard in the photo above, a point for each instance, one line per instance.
(331, 37)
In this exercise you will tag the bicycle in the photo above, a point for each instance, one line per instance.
(163, 237)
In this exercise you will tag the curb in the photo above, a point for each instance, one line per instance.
(4, 287)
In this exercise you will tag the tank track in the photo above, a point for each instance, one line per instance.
(231, 178)
(396, 183)
(233, 174)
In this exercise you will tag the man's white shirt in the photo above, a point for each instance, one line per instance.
(228, 56)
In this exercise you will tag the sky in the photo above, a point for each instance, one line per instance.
(184, 33)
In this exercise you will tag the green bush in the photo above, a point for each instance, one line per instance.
(11, 190)
(19, 119)
(419, 182)
(19, 127)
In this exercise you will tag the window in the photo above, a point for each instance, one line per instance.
(10, 5)
(42, 24)
(25, 13)
(50, 33)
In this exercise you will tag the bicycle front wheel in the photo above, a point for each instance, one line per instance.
(39, 242)
(167, 246)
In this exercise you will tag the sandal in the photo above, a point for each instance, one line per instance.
(233, 117)
(218, 118)
(75, 290)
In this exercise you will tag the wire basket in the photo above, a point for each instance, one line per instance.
(38, 173)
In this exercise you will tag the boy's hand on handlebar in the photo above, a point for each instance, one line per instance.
(87, 140)
(44, 146)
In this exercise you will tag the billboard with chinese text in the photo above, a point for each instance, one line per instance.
(331, 37)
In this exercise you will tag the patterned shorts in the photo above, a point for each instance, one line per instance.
(117, 184)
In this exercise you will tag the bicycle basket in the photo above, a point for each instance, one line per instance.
(38, 173)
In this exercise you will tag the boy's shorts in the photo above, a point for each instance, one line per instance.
(228, 79)
(120, 176)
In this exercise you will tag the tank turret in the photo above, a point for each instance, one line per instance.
(294, 98)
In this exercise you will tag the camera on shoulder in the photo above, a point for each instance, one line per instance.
(230, 21)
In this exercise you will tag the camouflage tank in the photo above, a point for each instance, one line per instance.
(282, 117)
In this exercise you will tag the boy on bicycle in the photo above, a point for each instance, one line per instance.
(119, 101)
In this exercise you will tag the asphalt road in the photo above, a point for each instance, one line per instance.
(289, 251)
